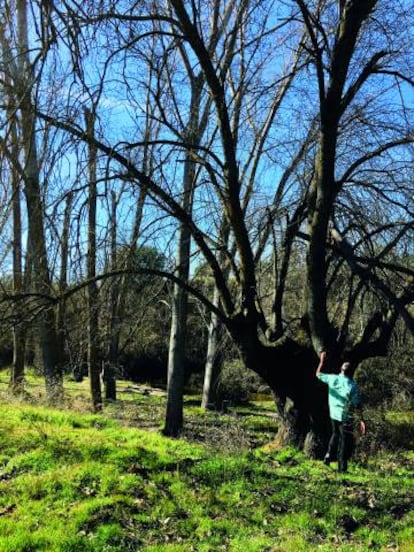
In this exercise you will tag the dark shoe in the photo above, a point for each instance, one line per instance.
(327, 460)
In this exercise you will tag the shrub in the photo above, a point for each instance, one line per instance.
(385, 432)
(236, 383)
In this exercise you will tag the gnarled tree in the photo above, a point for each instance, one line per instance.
(304, 161)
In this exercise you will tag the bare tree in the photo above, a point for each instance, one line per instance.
(304, 160)
(120, 286)
(19, 341)
(213, 357)
(63, 278)
(191, 135)
(94, 367)
(11, 171)
(22, 75)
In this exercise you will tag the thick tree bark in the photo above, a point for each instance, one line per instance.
(324, 187)
(289, 370)
(302, 403)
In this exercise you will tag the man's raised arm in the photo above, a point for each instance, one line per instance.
(322, 357)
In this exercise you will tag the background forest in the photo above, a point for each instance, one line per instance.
(209, 190)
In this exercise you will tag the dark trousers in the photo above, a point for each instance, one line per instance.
(341, 443)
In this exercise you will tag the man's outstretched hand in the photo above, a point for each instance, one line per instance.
(322, 356)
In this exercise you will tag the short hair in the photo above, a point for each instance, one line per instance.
(346, 366)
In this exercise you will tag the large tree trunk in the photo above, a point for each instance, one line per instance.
(301, 400)
(41, 282)
(301, 403)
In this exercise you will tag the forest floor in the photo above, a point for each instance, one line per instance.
(75, 481)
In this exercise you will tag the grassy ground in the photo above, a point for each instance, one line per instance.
(74, 481)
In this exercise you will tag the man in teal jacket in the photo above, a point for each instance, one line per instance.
(344, 400)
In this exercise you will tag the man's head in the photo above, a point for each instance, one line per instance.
(346, 368)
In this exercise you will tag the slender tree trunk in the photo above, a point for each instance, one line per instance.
(176, 356)
(215, 333)
(114, 321)
(93, 294)
(46, 319)
(120, 287)
(63, 280)
(213, 360)
(178, 334)
(35, 214)
(19, 339)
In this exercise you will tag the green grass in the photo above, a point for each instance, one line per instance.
(75, 481)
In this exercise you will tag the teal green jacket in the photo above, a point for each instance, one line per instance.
(343, 396)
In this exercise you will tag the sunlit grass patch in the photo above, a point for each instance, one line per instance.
(256, 542)
(406, 417)
(218, 469)
(74, 481)
(81, 475)
(170, 547)
(405, 535)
